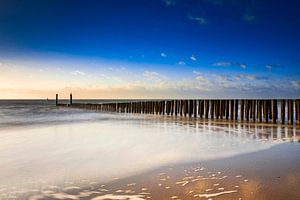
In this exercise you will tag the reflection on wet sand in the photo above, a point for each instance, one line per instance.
(144, 158)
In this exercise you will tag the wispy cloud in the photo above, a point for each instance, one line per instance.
(77, 72)
(222, 64)
(170, 2)
(271, 66)
(193, 58)
(296, 84)
(163, 54)
(181, 62)
(201, 78)
(229, 64)
(196, 72)
(200, 20)
(249, 18)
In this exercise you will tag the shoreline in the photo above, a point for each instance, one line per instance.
(258, 175)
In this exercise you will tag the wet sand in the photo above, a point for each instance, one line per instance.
(126, 157)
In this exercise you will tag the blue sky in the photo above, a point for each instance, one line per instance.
(150, 49)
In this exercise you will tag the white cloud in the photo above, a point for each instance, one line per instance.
(271, 66)
(200, 20)
(150, 75)
(196, 72)
(228, 64)
(296, 84)
(222, 64)
(181, 62)
(1, 64)
(77, 72)
(193, 57)
(244, 66)
(201, 78)
(251, 77)
(170, 2)
(163, 54)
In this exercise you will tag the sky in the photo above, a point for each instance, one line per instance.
(149, 49)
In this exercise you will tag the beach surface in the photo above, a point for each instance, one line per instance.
(56, 153)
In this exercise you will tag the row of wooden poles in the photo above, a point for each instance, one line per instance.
(248, 110)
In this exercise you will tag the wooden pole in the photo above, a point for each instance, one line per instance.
(190, 108)
(56, 99)
(236, 109)
(274, 111)
(71, 99)
(212, 105)
(227, 109)
(242, 110)
(247, 110)
(231, 109)
(290, 111)
(206, 108)
(297, 111)
(282, 112)
(253, 107)
(270, 109)
(265, 109)
(195, 108)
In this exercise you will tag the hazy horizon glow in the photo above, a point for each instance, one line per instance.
(149, 49)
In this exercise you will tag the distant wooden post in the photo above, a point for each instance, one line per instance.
(242, 110)
(236, 109)
(206, 108)
(247, 110)
(71, 99)
(265, 109)
(212, 105)
(195, 108)
(227, 109)
(231, 109)
(290, 111)
(253, 107)
(216, 108)
(270, 109)
(282, 112)
(274, 111)
(297, 112)
(56, 100)
(259, 115)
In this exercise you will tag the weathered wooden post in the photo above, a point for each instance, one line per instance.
(282, 112)
(290, 111)
(298, 112)
(195, 108)
(71, 99)
(216, 105)
(206, 108)
(200, 109)
(242, 110)
(212, 105)
(56, 99)
(227, 109)
(236, 109)
(253, 107)
(247, 110)
(274, 111)
(231, 109)
(176, 107)
(259, 115)
(265, 109)
(270, 108)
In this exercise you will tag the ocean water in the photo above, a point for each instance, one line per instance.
(42, 145)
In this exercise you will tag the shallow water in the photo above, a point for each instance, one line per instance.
(42, 146)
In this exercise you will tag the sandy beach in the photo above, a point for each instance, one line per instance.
(125, 156)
